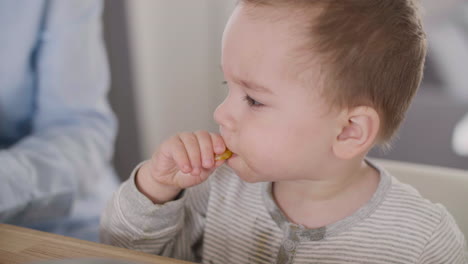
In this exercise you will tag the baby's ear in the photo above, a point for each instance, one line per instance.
(359, 128)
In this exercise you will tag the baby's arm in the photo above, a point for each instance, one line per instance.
(144, 216)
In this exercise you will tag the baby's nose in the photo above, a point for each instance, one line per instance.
(223, 117)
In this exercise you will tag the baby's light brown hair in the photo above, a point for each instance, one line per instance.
(373, 50)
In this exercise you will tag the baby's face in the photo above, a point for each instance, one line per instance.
(277, 128)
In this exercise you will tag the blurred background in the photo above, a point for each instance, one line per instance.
(165, 56)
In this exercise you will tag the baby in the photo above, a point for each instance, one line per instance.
(313, 86)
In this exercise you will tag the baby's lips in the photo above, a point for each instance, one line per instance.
(226, 155)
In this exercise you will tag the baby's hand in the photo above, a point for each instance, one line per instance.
(182, 161)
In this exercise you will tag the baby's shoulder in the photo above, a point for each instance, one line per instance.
(406, 219)
(417, 222)
(403, 199)
(404, 204)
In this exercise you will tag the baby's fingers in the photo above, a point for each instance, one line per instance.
(192, 148)
(218, 143)
(206, 148)
(172, 153)
(221, 152)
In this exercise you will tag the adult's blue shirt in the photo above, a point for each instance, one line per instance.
(57, 130)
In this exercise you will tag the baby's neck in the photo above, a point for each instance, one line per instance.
(317, 203)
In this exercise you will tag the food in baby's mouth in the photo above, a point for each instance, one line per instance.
(226, 155)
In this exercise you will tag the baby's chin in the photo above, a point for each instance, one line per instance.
(242, 170)
(248, 178)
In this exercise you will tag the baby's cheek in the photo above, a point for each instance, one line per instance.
(268, 155)
(261, 146)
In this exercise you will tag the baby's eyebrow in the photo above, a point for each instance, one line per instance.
(255, 87)
(249, 84)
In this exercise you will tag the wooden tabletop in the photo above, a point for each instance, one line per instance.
(23, 245)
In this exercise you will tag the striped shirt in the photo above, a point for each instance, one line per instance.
(226, 220)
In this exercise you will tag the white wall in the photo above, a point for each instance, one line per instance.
(175, 48)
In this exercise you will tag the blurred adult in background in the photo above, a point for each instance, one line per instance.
(56, 128)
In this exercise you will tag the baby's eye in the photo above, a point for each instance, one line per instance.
(252, 102)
